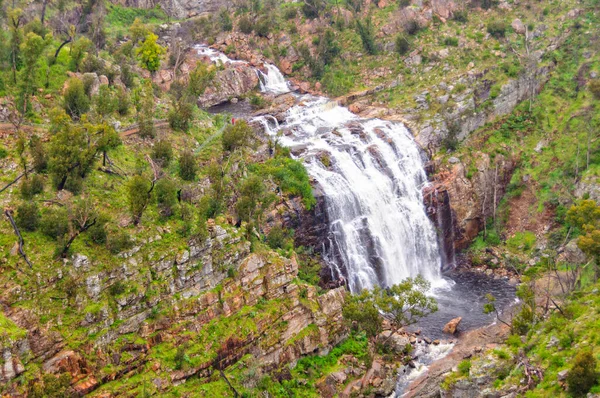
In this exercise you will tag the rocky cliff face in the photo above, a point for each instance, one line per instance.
(460, 201)
(207, 282)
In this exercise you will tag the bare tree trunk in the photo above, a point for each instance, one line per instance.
(8, 214)
(495, 192)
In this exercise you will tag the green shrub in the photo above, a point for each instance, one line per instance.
(236, 136)
(38, 153)
(278, 237)
(105, 102)
(225, 20)
(32, 186)
(522, 240)
(188, 166)
(262, 27)
(123, 102)
(75, 100)
(3, 152)
(594, 87)
(245, 25)
(117, 288)
(162, 152)
(461, 16)
(402, 45)
(166, 196)
(28, 216)
(55, 223)
(119, 241)
(583, 375)
(367, 35)
(497, 28)
(464, 367)
(451, 41)
(412, 27)
(97, 232)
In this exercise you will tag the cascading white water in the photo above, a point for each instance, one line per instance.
(273, 81)
(372, 175)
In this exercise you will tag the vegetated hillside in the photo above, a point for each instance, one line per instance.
(142, 249)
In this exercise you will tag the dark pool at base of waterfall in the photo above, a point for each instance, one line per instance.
(465, 297)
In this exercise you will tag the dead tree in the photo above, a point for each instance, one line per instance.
(9, 214)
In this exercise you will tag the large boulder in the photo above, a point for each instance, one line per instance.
(232, 82)
(452, 326)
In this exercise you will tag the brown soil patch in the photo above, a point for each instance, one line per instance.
(524, 215)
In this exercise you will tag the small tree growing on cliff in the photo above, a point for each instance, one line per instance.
(402, 305)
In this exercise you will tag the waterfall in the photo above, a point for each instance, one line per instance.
(273, 81)
(371, 172)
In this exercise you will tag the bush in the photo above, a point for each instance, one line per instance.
(187, 166)
(451, 41)
(28, 216)
(464, 367)
(162, 152)
(236, 136)
(412, 27)
(594, 87)
(245, 25)
(118, 242)
(75, 101)
(460, 16)
(497, 29)
(402, 45)
(290, 13)
(166, 196)
(55, 223)
(38, 153)
(104, 101)
(97, 232)
(123, 102)
(277, 237)
(225, 20)
(582, 376)
(263, 26)
(32, 186)
(367, 35)
(181, 115)
(3, 152)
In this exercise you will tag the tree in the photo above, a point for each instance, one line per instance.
(150, 53)
(138, 30)
(162, 152)
(254, 200)
(15, 17)
(145, 113)
(585, 216)
(200, 78)
(105, 102)
(187, 166)
(75, 101)
(402, 305)
(138, 196)
(32, 49)
(367, 35)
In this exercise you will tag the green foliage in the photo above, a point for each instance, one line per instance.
(166, 196)
(367, 35)
(245, 25)
(150, 53)
(181, 114)
(32, 186)
(55, 223)
(402, 305)
(278, 237)
(105, 102)
(451, 41)
(188, 166)
(583, 375)
(402, 45)
(28, 216)
(75, 100)
(38, 153)
(412, 27)
(522, 240)
(313, 8)
(145, 114)
(585, 215)
(237, 136)
(117, 288)
(200, 78)
(125, 16)
(3, 152)
(290, 175)
(162, 152)
(594, 87)
(460, 16)
(497, 28)
(464, 367)
(119, 241)
(138, 196)
(225, 20)
(253, 199)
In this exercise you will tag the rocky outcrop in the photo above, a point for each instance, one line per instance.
(234, 81)
(211, 278)
(452, 326)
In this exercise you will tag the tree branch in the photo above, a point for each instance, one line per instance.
(8, 214)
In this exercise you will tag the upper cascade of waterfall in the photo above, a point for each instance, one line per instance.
(372, 175)
(271, 81)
